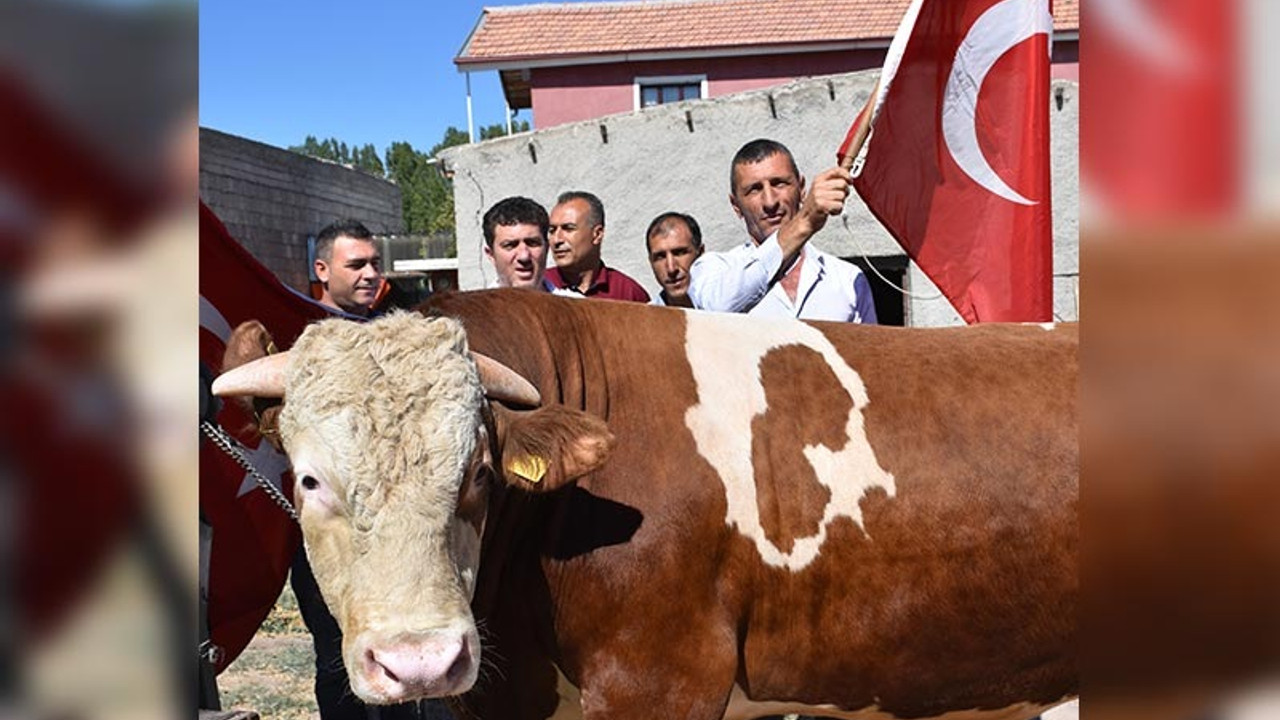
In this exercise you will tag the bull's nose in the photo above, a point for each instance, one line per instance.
(419, 666)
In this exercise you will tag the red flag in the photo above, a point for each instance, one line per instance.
(254, 540)
(1165, 141)
(957, 165)
(67, 443)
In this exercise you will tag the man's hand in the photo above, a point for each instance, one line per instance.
(826, 197)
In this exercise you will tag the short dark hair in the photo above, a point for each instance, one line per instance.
(755, 151)
(348, 227)
(665, 223)
(515, 210)
(597, 207)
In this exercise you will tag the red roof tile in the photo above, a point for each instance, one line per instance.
(572, 30)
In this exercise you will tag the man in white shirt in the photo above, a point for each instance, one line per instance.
(673, 242)
(777, 274)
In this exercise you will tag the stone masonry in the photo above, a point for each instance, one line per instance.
(271, 200)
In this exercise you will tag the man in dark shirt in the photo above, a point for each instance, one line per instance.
(349, 267)
(576, 233)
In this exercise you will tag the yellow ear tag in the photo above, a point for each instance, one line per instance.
(529, 467)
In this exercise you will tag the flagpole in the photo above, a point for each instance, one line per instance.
(858, 132)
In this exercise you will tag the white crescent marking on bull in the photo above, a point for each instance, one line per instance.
(724, 353)
(993, 34)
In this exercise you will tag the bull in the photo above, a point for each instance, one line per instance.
(534, 502)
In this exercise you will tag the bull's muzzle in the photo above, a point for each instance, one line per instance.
(414, 666)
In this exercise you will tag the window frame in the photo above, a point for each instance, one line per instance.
(641, 82)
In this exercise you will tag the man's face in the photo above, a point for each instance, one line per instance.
(351, 275)
(670, 254)
(765, 194)
(575, 242)
(519, 255)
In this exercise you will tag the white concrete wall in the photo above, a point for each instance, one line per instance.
(676, 157)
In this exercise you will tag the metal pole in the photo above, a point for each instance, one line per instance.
(507, 107)
(471, 132)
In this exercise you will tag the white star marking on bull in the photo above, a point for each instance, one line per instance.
(271, 463)
(725, 352)
(993, 34)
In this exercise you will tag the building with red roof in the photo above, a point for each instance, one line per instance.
(576, 61)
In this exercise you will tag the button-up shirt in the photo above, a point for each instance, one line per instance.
(737, 280)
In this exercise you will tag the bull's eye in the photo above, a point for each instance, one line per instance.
(309, 482)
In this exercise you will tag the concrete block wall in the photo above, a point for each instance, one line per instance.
(271, 199)
(676, 157)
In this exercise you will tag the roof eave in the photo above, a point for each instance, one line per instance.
(520, 62)
(471, 35)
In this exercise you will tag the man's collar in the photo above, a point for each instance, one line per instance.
(666, 300)
(599, 279)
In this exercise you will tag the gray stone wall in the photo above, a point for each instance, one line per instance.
(676, 157)
(271, 200)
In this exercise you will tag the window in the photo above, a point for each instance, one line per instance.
(661, 90)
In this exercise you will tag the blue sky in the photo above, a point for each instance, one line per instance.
(375, 71)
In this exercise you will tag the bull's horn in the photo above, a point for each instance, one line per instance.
(263, 377)
(502, 383)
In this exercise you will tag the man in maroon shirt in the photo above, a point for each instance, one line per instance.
(576, 231)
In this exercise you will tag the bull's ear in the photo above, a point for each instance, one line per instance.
(552, 446)
(252, 341)
(248, 342)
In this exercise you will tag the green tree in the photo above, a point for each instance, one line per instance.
(452, 136)
(498, 129)
(427, 197)
(360, 157)
(366, 159)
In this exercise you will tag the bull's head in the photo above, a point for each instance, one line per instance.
(384, 423)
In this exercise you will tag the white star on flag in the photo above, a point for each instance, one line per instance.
(270, 462)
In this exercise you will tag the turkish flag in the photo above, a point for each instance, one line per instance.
(957, 163)
(1162, 138)
(254, 540)
(72, 485)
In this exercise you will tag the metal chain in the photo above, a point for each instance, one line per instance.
(211, 653)
(232, 447)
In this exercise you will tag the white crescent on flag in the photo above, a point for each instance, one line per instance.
(213, 321)
(1132, 23)
(992, 35)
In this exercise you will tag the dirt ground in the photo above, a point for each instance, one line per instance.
(274, 674)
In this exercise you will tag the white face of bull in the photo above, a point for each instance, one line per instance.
(382, 424)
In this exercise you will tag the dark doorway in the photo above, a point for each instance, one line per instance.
(891, 303)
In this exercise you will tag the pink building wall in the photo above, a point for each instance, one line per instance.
(581, 92)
